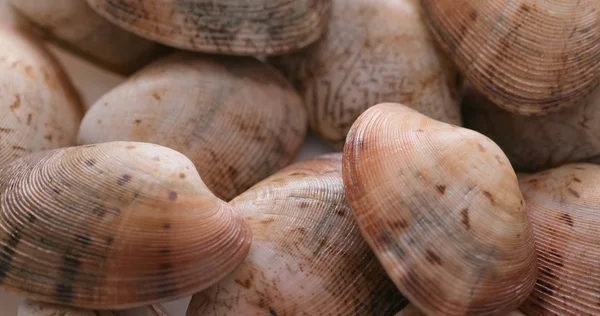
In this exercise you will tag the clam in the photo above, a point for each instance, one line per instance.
(35, 308)
(563, 204)
(72, 23)
(411, 310)
(529, 57)
(307, 256)
(236, 118)
(39, 108)
(233, 27)
(440, 206)
(374, 51)
(113, 226)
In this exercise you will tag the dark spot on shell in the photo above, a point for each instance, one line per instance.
(245, 284)
(545, 287)
(166, 226)
(49, 137)
(136, 122)
(109, 241)
(232, 171)
(574, 193)
(124, 179)
(29, 118)
(433, 258)
(547, 272)
(465, 218)
(83, 239)
(525, 7)
(399, 224)
(56, 191)
(272, 312)
(182, 175)
(267, 221)
(64, 293)
(489, 196)
(481, 148)
(261, 302)
(8, 250)
(567, 219)
(156, 96)
(172, 195)
(6, 130)
(19, 148)
(16, 104)
(473, 15)
(90, 162)
(67, 274)
(165, 251)
(130, 147)
(303, 204)
(557, 258)
(441, 189)
(341, 212)
(99, 210)
(577, 180)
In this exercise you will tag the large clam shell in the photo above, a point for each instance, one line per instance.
(35, 308)
(440, 205)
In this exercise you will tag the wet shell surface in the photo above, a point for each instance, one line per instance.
(39, 108)
(411, 310)
(307, 257)
(529, 57)
(113, 226)
(72, 23)
(35, 308)
(563, 204)
(440, 205)
(233, 27)
(236, 118)
(374, 51)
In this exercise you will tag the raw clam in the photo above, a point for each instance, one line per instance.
(35, 308)
(440, 205)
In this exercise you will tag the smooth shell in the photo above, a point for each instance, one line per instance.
(374, 51)
(236, 118)
(440, 205)
(564, 207)
(39, 108)
(307, 257)
(35, 308)
(232, 27)
(113, 226)
(411, 310)
(528, 56)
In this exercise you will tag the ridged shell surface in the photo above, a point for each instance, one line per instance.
(411, 310)
(35, 308)
(113, 226)
(307, 257)
(441, 208)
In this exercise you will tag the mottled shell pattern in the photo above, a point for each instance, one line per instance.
(35, 308)
(307, 256)
(441, 208)
(113, 226)
(374, 51)
(232, 27)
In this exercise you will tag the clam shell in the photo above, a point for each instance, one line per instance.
(35, 308)
(564, 207)
(411, 310)
(440, 205)
(374, 51)
(236, 118)
(39, 108)
(233, 27)
(113, 226)
(530, 57)
(307, 256)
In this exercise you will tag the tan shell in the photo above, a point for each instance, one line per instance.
(35, 308)
(528, 56)
(307, 257)
(113, 226)
(440, 205)
(564, 207)
(537, 143)
(374, 51)
(411, 310)
(39, 108)
(232, 27)
(236, 118)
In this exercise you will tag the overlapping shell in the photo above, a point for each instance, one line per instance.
(374, 51)
(35, 308)
(113, 226)
(528, 56)
(440, 205)
(236, 27)
(307, 257)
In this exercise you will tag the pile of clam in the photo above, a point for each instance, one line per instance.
(461, 179)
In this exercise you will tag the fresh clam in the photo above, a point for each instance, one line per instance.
(236, 27)
(374, 51)
(441, 207)
(528, 56)
(35, 308)
(411, 310)
(307, 256)
(113, 226)
(236, 118)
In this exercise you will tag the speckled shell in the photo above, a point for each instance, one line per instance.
(232, 27)
(528, 56)
(537, 143)
(440, 205)
(411, 310)
(564, 207)
(39, 108)
(113, 226)
(374, 51)
(236, 118)
(35, 308)
(307, 257)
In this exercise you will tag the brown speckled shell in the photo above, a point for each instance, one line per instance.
(307, 257)
(113, 226)
(528, 56)
(564, 207)
(232, 27)
(35, 308)
(236, 118)
(39, 108)
(374, 51)
(440, 205)
(411, 310)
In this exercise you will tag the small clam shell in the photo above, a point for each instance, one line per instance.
(564, 207)
(440, 205)
(233, 27)
(113, 226)
(236, 118)
(39, 108)
(374, 51)
(411, 310)
(528, 56)
(35, 308)
(307, 256)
